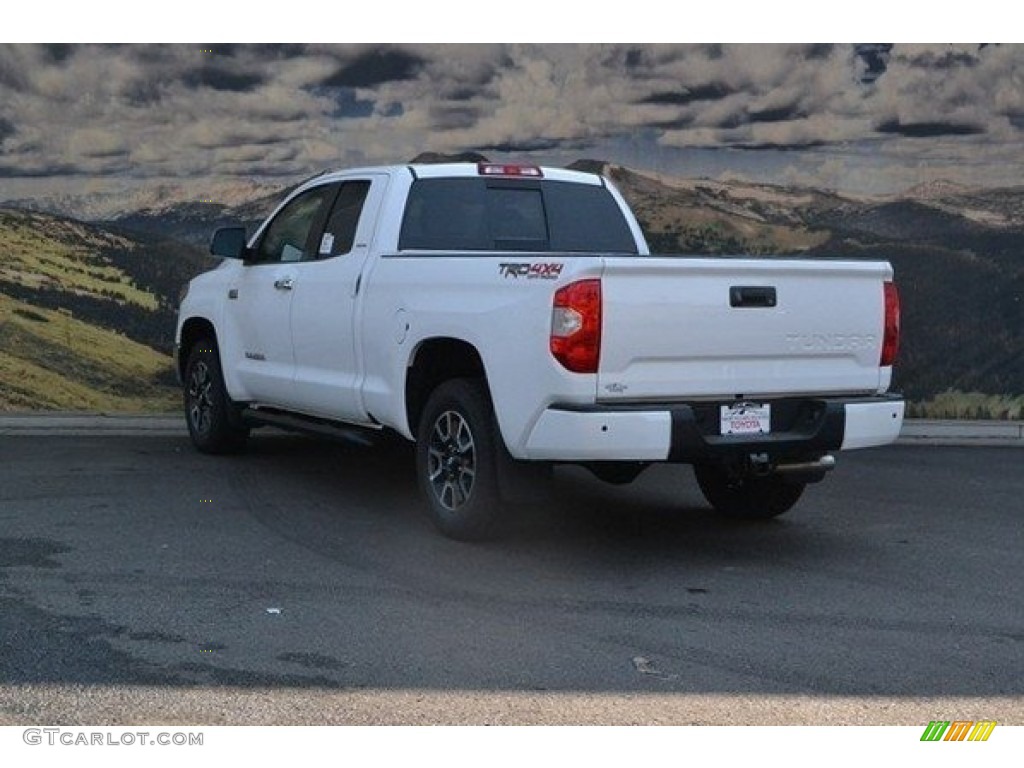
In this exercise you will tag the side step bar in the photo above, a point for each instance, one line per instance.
(295, 422)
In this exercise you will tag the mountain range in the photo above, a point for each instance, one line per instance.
(107, 268)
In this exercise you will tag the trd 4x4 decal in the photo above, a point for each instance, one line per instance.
(531, 271)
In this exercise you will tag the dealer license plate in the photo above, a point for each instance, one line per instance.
(746, 419)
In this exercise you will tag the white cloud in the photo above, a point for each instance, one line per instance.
(96, 143)
(176, 110)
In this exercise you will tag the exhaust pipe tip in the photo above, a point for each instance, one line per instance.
(807, 471)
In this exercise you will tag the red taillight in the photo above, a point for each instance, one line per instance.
(891, 339)
(576, 326)
(507, 169)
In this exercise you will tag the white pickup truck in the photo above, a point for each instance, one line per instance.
(504, 314)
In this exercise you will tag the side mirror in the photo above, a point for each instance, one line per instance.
(229, 243)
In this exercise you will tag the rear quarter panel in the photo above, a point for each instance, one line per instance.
(475, 299)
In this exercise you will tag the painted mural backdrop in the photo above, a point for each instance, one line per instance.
(117, 161)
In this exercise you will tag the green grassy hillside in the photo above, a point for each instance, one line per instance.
(52, 360)
(86, 316)
(43, 251)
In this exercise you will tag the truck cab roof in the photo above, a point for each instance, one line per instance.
(461, 170)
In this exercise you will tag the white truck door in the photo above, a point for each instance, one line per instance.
(324, 319)
(259, 304)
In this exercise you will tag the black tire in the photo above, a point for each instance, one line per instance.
(456, 460)
(213, 420)
(746, 497)
(617, 472)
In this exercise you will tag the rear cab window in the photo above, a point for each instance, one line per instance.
(479, 214)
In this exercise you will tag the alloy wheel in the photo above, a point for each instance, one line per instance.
(451, 460)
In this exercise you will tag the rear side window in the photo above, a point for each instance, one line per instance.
(470, 214)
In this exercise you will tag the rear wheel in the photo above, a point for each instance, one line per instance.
(746, 496)
(213, 421)
(456, 450)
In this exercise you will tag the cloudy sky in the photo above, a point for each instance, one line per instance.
(861, 118)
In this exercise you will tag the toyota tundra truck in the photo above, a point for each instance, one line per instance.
(510, 316)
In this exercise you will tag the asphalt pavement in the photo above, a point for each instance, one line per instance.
(299, 583)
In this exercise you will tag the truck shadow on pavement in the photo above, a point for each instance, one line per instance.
(662, 511)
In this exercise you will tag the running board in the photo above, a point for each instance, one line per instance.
(297, 422)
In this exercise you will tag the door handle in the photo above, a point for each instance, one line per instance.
(284, 283)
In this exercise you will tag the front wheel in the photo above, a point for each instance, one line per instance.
(213, 422)
(746, 496)
(456, 450)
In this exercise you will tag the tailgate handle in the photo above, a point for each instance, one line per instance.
(752, 296)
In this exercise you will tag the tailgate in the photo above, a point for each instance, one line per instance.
(675, 328)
